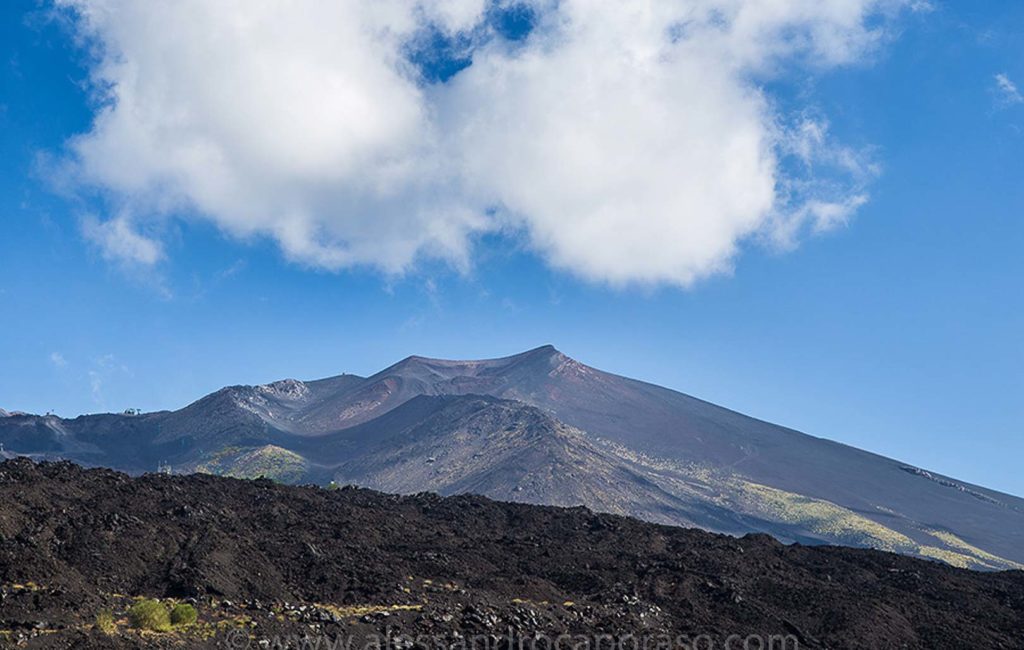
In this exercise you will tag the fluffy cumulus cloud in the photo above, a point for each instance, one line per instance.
(625, 141)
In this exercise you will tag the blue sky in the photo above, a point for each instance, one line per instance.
(897, 330)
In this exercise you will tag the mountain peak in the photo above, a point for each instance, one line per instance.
(543, 352)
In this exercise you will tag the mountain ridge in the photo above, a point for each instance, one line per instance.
(580, 434)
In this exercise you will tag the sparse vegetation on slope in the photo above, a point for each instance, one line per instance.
(150, 614)
(183, 614)
(105, 622)
(268, 461)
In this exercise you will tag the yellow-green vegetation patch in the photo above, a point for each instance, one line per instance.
(105, 622)
(154, 615)
(217, 462)
(167, 619)
(350, 611)
(848, 527)
(238, 620)
(822, 517)
(24, 587)
(531, 603)
(183, 614)
(268, 461)
(951, 558)
(438, 586)
(979, 556)
(151, 615)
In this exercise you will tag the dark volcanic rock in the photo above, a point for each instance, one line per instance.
(265, 560)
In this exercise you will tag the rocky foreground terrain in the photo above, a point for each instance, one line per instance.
(269, 565)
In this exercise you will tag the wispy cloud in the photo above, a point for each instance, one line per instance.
(118, 240)
(96, 386)
(104, 368)
(1007, 90)
(58, 360)
(231, 271)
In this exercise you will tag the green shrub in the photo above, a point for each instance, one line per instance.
(183, 614)
(149, 615)
(105, 622)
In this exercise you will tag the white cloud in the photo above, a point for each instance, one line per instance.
(627, 141)
(118, 240)
(105, 368)
(58, 360)
(96, 386)
(1008, 92)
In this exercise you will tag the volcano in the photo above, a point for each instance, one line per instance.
(542, 428)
